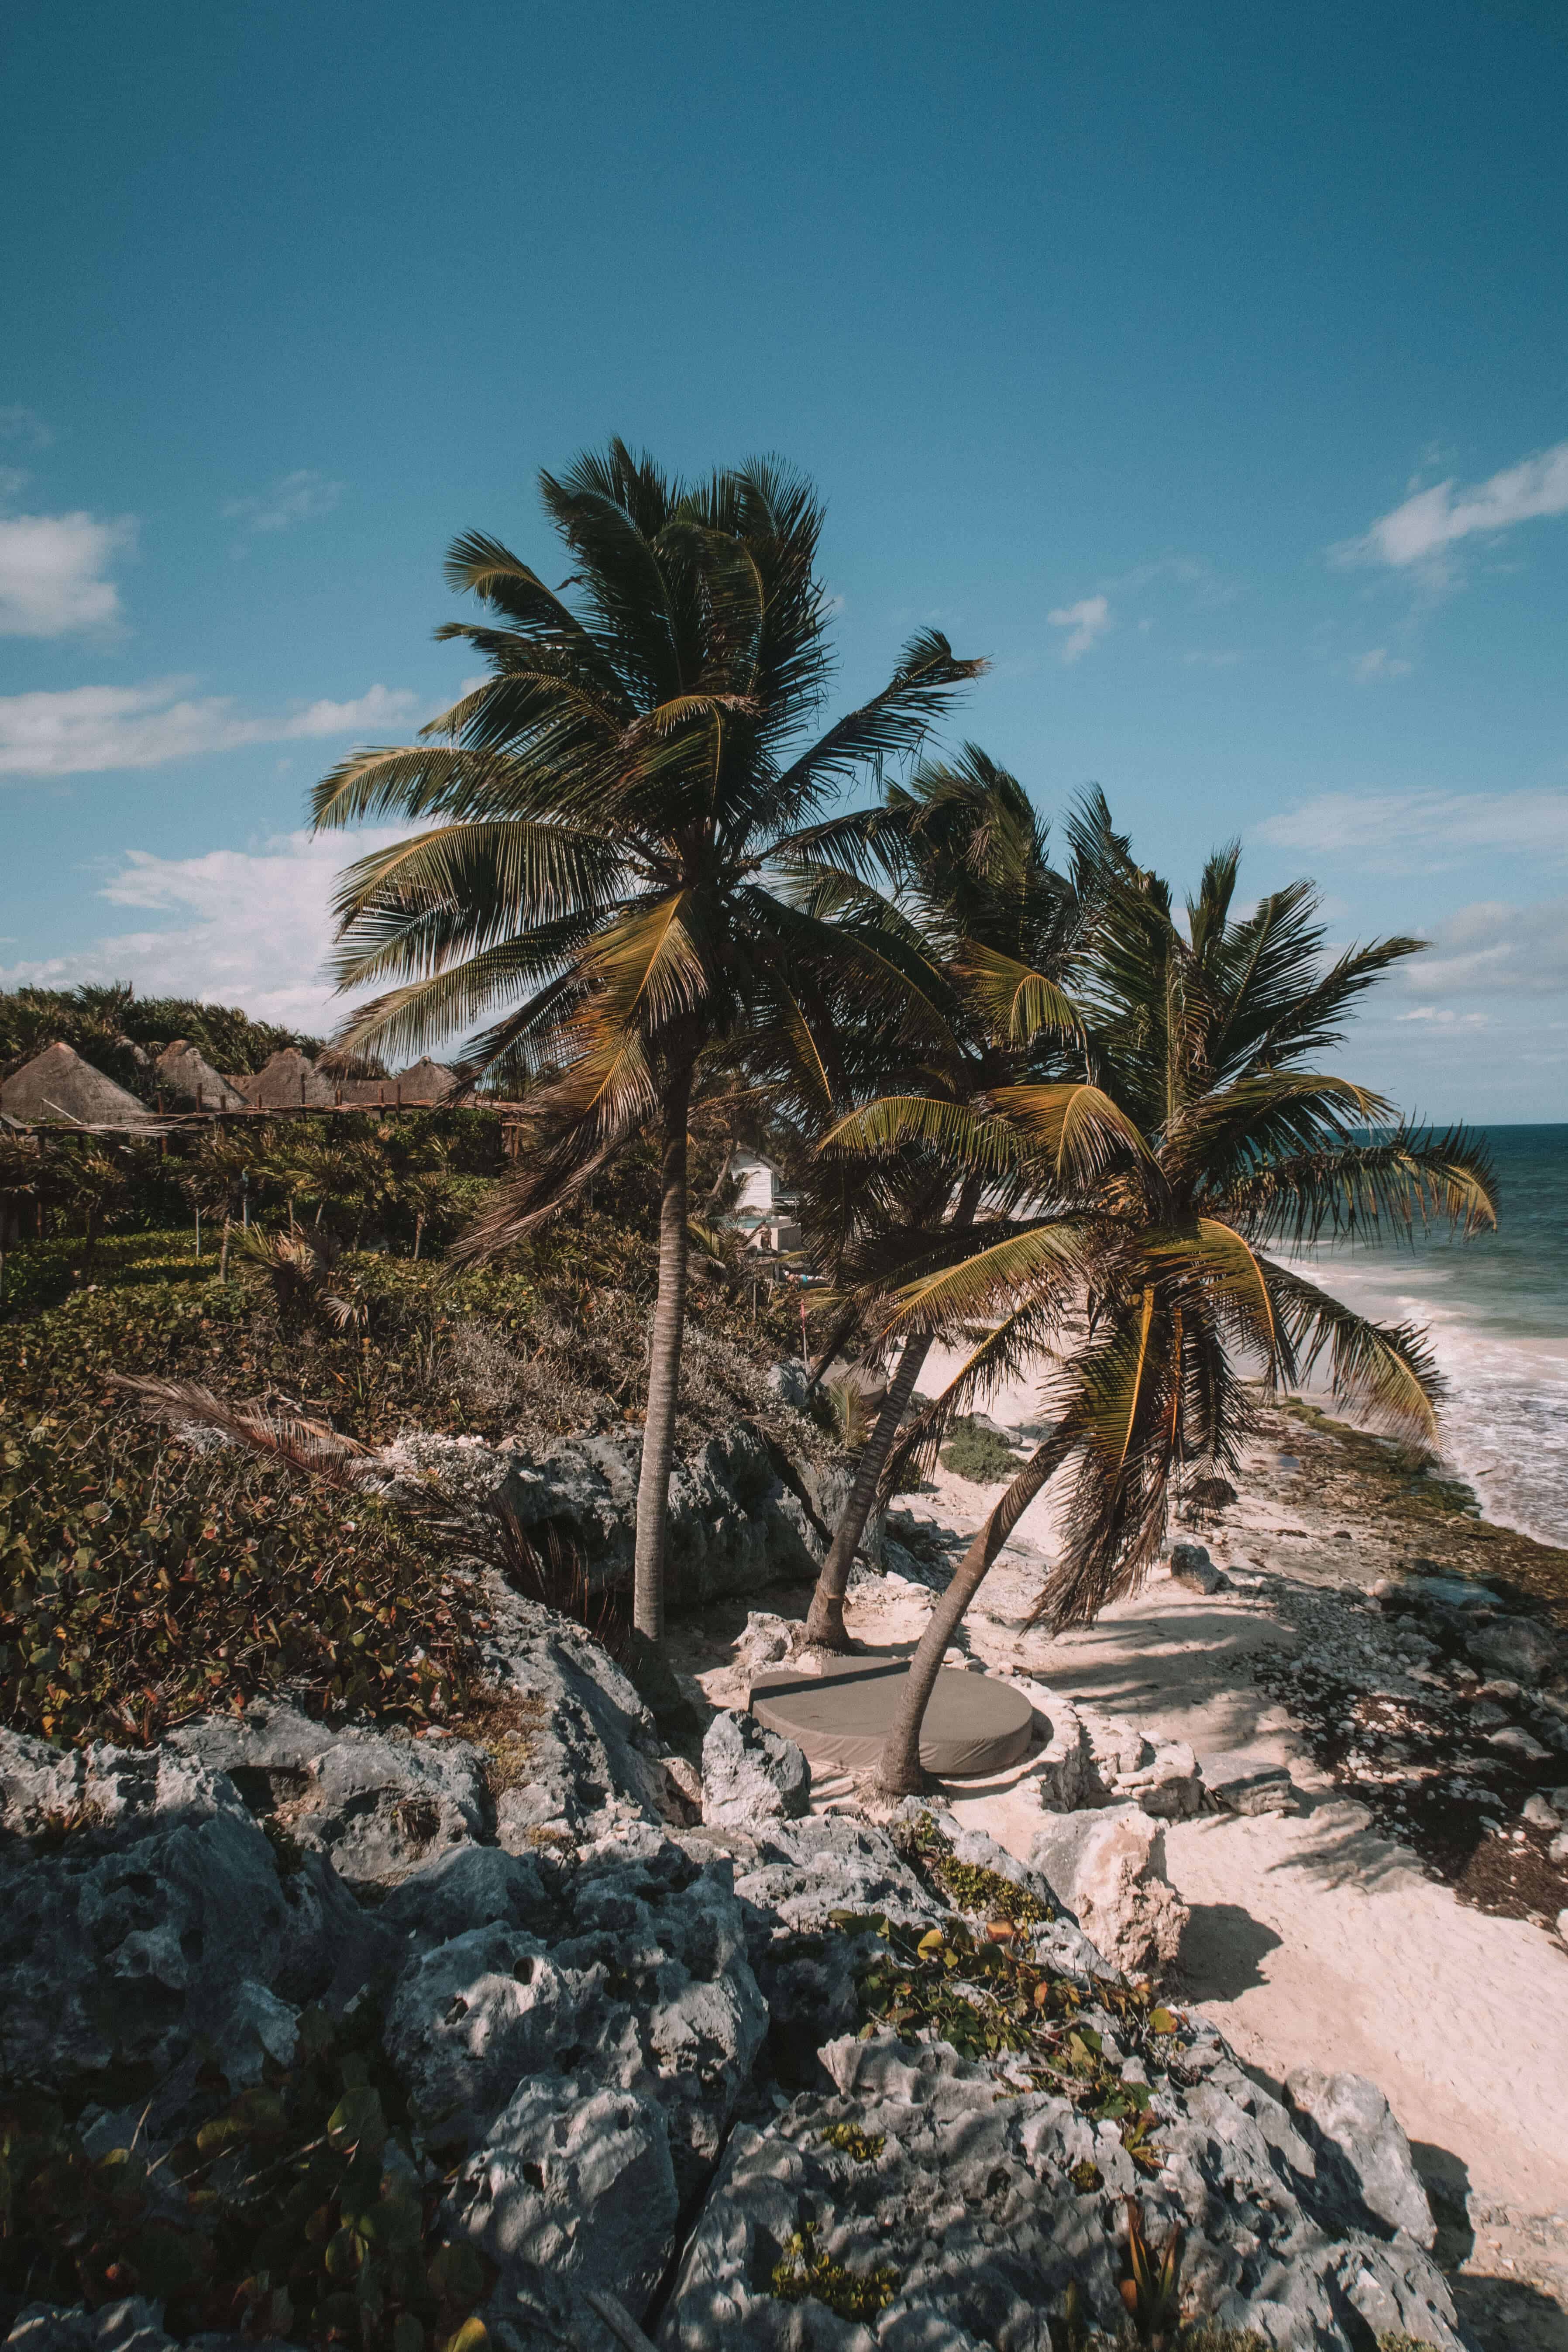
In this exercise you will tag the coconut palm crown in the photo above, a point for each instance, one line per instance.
(989, 932)
(607, 824)
(1139, 1265)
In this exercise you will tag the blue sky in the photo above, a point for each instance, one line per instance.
(1205, 366)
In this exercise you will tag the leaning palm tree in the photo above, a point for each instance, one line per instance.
(603, 822)
(996, 931)
(1139, 1265)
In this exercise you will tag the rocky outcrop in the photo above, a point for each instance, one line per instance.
(775, 2082)
(752, 1775)
(1109, 1868)
(743, 1512)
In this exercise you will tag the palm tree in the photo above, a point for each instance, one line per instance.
(607, 819)
(996, 931)
(1203, 1133)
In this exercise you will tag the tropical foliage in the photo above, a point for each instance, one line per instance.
(609, 823)
(1139, 1209)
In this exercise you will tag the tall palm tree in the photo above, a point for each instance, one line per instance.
(993, 930)
(1203, 1134)
(607, 817)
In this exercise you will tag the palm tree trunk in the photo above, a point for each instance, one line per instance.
(664, 1369)
(825, 1627)
(222, 1253)
(899, 1774)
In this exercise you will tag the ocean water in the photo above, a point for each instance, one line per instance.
(1496, 1313)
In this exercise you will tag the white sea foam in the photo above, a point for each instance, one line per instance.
(1505, 1419)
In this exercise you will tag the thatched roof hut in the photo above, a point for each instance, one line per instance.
(289, 1080)
(191, 1082)
(420, 1086)
(58, 1086)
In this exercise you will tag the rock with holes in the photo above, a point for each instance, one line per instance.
(1109, 1868)
(575, 2181)
(645, 1985)
(920, 2199)
(381, 1804)
(156, 1921)
(752, 1775)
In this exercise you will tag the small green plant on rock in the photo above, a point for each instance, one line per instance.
(806, 2269)
(864, 2147)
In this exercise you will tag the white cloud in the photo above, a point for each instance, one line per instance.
(51, 574)
(1087, 620)
(1493, 948)
(1443, 1016)
(1434, 519)
(25, 425)
(84, 729)
(1423, 827)
(1367, 668)
(292, 497)
(249, 928)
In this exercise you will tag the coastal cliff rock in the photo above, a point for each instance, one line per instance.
(774, 2084)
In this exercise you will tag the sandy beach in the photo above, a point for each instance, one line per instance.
(1315, 1936)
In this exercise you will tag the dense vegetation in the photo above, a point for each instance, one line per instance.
(145, 1578)
(123, 1034)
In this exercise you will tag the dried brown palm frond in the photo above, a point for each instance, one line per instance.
(303, 1445)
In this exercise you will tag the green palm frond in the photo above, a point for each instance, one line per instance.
(1385, 1371)
(1077, 1127)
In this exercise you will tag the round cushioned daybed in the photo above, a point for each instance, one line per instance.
(841, 1716)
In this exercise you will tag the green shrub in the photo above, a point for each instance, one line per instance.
(806, 2269)
(142, 1582)
(863, 2148)
(975, 1452)
(292, 2210)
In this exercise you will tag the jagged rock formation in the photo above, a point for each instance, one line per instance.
(673, 2066)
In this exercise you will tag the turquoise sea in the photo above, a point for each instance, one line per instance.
(1496, 1310)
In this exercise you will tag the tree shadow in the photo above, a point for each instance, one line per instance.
(1222, 1945)
(1508, 2314)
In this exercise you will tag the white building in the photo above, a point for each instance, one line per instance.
(765, 1211)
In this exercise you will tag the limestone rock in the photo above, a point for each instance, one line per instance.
(751, 1774)
(1514, 1645)
(1109, 1868)
(574, 2179)
(970, 2210)
(1349, 2124)
(1192, 1567)
(1171, 1788)
(1239, 1783)
(379, 1806)
(159, 1922)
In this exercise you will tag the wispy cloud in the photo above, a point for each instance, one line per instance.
(84, 729)
(1423, 827)
(25, 425)
(249, 927)
(292, 497)
(52, 569)
(1087, 621)
(1226, 659)
(1430, 521)
(1494, 947)
(1369, 668)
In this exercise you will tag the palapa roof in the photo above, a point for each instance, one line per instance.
(286, 1080)
(421, 1085)
(57, 1086)
(191, 1082)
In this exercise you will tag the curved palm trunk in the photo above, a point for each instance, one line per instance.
(825, 1626)
(899, 1774)
(664, 1369)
